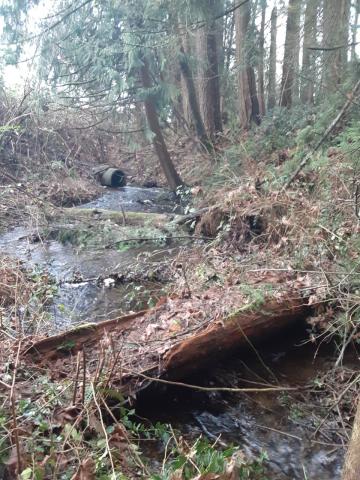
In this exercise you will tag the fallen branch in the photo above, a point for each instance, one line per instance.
(13, 411)
(212, 389)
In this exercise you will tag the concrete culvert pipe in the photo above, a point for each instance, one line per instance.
(113, 177)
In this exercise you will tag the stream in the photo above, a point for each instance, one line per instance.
(278, 424)
(76, 301)
(265, 422)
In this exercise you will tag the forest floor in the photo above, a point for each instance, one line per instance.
(252, 243)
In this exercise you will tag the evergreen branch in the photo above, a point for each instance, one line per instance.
(330, 128)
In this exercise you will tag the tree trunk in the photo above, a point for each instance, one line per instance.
(261, 61)
(220, 44)
(171, 174)
(272, 61)
(354, 31)
(352, 461)
(185, 97)
(248, 100)
(297, 42)
(192, 99)
(308, 59)
(291, 54)
(214, 79)
(255, 107)
(208, 72)
(229, 42)
(336, 37)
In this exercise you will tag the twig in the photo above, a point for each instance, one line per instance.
(84, 377)
(213, 389)
(107, 450)
(76, 377)
(340, 397)
(217, 439)
(6, 385)
(356, 201)
(13, 411)
(279, 431)
(133, 450)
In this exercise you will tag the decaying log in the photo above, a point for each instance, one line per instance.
(352, 461)
(76, 338)
(132, 218)
(235, 331)
(177, 354)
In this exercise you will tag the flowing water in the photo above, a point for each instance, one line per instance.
(78, 301)
(258, 422)
(280, 424)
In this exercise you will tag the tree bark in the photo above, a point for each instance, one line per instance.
(354, 31)
(208, 72)
(261, 61)
(248, 100)
(291, 54)
(214, 71)
(309, 56)
(220, 338)
(351, 469)
(335, 39)
(272, 61)
(255, 107)
(185, 97)
(192, 99)
(166, 163)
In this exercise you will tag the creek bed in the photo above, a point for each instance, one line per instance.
(282, 425)
(268, 422)
(78, 296)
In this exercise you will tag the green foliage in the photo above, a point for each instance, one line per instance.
(192, 459)
(349, 143)
(279, 129)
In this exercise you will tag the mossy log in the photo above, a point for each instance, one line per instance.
(76, 338)
(119, 217)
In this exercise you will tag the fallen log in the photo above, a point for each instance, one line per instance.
(119, 217)
(171, 341)
(238, 330)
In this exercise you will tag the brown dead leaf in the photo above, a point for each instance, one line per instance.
(66, 415)
(86, 470)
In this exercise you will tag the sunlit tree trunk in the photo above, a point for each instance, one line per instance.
(272, 61)
(291, 54)
(308, 59)
(171, 174)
